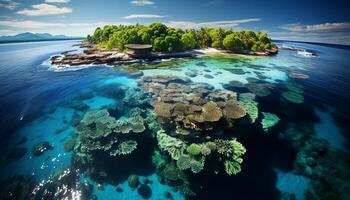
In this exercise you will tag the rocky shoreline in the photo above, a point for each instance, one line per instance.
(95, 55)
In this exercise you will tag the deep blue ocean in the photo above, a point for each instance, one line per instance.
(39, 103)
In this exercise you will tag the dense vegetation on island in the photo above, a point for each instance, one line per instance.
(167, 39)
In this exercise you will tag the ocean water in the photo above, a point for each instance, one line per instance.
(43, 103)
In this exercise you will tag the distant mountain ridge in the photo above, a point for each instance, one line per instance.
(27, 36)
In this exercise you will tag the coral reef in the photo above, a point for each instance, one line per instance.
(134, 97)
(98, 131)
(246, 100)
(232, 152)
(327, 168)
(191, 106)
(125, 147)
(294, 93)
(175, 147)
(193, 156)
(269, 121)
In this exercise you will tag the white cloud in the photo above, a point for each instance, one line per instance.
(219, 24)
(28, 24)
(57, 1)
(141, 3)
(143, 16)
(321, 37)
(6, 32)
(44, 9)
(9, 4)
(334, 33)
(297, 27)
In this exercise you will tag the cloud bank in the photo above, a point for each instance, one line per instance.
(219, 24)
(57, 1)
(143, 16)
(9, 4)
(297, 27)
(44, 9)
(141, 3)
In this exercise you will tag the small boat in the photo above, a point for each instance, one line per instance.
(306, 53)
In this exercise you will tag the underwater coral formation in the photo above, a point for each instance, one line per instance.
(294, 93)
(327, 168)
(98, 131)
(191, 106)
(269, 121)
(247, 101)
(193, 156)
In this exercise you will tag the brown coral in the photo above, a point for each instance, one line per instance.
(233, 110)
(188, 105)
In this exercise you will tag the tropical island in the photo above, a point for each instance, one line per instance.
(114, 44)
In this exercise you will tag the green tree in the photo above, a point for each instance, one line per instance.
(232, 42)
(188, 41)
(217, 36)
(159, 44)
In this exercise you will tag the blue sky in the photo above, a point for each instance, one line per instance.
(314, 20)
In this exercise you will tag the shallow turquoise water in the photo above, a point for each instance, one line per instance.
(39, 103)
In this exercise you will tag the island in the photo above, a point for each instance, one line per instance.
(119, 44)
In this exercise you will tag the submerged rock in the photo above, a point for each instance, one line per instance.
(168, 195)
(133, 181)
(40, 148)
(208, 76)
(237, 71)
(144, 191)
(191, 74)
(119, 189)
(147, 181)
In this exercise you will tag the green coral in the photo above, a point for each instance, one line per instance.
(250, 106)
(269, 121)
(231, 167)
(194, 149)
(211, 145)
(125, 147)
(158, 160)
(205, 150)
(183, 162)
(188, 162)
(98, 131)
(171, 172)
(172, 145)
(233, 150)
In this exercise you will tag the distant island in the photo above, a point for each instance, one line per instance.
(30, 37)
(119, 44)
